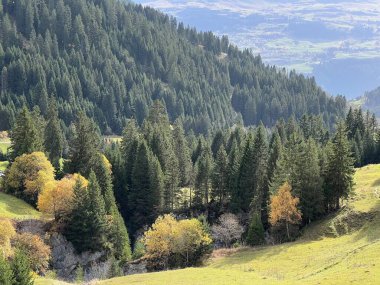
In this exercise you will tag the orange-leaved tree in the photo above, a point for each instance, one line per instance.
(57, 197)
(283, 208)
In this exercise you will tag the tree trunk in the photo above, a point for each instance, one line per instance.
(287, 230)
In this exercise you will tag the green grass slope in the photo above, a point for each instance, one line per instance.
(342, 249)
(13, 208)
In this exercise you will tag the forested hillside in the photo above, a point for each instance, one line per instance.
(113, 59)
(370, 101)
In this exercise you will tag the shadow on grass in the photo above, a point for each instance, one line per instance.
(371, 228)
(376, 183)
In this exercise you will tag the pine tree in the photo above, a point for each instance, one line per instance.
(241, 198)
(275, 153)
(307, 185)
(22, 274)
(118, 233)
(233, 170)
(182, 152)
(261, 184)
(97, 224)
(144, 197)
(255, 235)
(203, 177)
(340, 169)
(84, 146)
(26, 134)
(53, 136)
(220, 176)
(6, 274)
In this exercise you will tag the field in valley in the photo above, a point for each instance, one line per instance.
(342, 249)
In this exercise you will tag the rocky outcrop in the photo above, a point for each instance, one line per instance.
(66, 261)
(136, 267)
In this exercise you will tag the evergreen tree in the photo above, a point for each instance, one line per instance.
(261, 183)
(22, 273)
(220, 176)
(144, 198)
(255, 235)
(203, 177)
(307, 184)
(53, 136)
(182, 153)
(340, 169)
(87, 224)
(26, 134)
(6, 274)
(241, 198)
(84, 146)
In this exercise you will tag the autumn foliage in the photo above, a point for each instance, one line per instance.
(171, 243)
(283, 208)
(57, 197)
(29, 175)
(36, 250)
(7, 232)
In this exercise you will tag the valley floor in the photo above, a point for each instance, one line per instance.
(342, 249)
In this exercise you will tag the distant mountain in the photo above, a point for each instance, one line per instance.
(370, 101)
(336, 41)
(112, 60)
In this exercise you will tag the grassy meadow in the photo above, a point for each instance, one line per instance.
(342, 249)
(13, 208)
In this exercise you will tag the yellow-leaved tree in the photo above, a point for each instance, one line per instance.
(29, 175)
(7, 232)
(189, 237)
(283, 208)
(57, 196)
(172, 243)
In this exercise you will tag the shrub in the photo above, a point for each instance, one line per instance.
(36, 250)
(171, 243)
(227, 231)
(7, 232)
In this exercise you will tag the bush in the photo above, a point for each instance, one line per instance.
(227, 231)
(7, 232)
(36, 250)
(256, 231)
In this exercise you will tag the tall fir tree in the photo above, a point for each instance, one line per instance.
(241, 198)
(26, 134)
(54, 139)
(340, 169)
(84, 146)
(220, 176)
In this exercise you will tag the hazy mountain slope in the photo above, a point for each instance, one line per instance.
(112, 60)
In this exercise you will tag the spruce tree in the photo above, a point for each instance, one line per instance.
(340, 169)
(22, 273)
(84, 146)
(203, 177)
(241, 198)
(6, 274)
(182, 153)
(255, 235)
(53, 136)
(260, 165)
(220, 176)
(26, 134)
(97, 225)
(118, 233)
(144, 198)
(307, 185)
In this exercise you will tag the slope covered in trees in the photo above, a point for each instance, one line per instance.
(112, 60)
